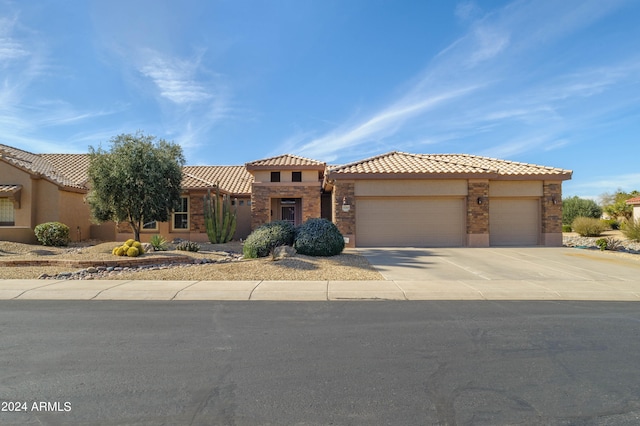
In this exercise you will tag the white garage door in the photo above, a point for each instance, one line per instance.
(514, 222)
(410, 222)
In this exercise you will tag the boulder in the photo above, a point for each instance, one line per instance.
(282, 252)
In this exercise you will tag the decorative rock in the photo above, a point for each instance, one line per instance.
(148, 248)
(282, 252)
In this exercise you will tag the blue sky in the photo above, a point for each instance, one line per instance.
(546, 82)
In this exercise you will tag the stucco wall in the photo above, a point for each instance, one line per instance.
(410, 187)
(285, 175)
(13, 176)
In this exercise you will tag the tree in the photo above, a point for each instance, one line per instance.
(615, 204)
(574, 207)
(137, 181)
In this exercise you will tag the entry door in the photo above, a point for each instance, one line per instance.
(289, 214)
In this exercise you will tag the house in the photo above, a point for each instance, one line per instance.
(635, 202)
(394, 199)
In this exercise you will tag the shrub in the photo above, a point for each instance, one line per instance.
(612, 223)
(609, 243)
(574, 207)
(188, 246)
(267, 237)
(631, 229)
(566, 228)
(588, 226)
(158, 243)
(319, 237)
(52, 234)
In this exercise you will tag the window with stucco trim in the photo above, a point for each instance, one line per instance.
(181, 215)
(7, 214)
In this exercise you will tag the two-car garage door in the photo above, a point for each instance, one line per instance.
(411, 221)
(441, 222)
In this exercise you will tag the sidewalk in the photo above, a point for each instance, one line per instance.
(319, 290)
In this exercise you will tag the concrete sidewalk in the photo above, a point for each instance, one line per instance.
(614, 290)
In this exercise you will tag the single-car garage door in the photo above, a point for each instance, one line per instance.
(410, 222)
(514, 222)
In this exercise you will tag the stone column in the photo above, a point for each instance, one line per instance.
(343, 201)
(552, 214)
(478, 213)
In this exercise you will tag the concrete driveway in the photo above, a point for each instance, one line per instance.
(491, 264)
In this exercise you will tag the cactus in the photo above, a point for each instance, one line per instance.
(133, 252)
(219, 218)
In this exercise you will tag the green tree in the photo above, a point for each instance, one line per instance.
(615, 204)
(574, 207)
(136, 181)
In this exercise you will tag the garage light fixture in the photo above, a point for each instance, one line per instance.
(480, 200)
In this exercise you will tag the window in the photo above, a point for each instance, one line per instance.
(296, 176)
(181, 214)
(6, 212)
(150, 225)
(275, 176)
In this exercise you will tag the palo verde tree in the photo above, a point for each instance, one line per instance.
(136, 181)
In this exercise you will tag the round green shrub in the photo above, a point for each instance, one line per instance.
(566, 228)
(318, 237)
(267, 237)
(52, 234)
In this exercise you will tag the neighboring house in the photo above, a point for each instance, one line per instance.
(635, 202)
(395, 199)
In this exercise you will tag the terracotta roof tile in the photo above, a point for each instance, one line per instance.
(634, 200)
(63, 169)
(443, 164)
(9, 189)
(284, 162)
(232, 179)
(72, 166)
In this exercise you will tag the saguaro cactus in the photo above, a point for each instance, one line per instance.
(219, 219)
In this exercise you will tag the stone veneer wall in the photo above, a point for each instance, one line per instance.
(552, 213)
(478, 214)
(345, 221)
(262, 194)
(196, 212)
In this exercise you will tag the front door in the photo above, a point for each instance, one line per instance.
(289, 214)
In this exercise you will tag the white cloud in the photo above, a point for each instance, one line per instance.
(176, 79)
(483, 83)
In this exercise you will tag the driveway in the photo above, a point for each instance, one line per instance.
(548, 264)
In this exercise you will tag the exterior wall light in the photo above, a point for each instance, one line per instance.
(480, 200)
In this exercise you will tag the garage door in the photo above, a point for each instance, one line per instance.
(514, 222)
(410, 222)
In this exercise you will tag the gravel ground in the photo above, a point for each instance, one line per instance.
(346, 266)
(627, 248)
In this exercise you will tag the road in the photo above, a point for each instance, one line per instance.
(313, 363)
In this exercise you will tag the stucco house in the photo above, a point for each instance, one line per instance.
(635, 202)
(394, 199)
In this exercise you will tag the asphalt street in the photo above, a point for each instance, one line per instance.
(313, 363)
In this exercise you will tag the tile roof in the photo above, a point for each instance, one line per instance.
(232, 179)
(67, 170)
(634, 200)
(402, 163)
(286, 161)
(10, 189)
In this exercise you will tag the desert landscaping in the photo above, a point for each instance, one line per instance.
(94, 260)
